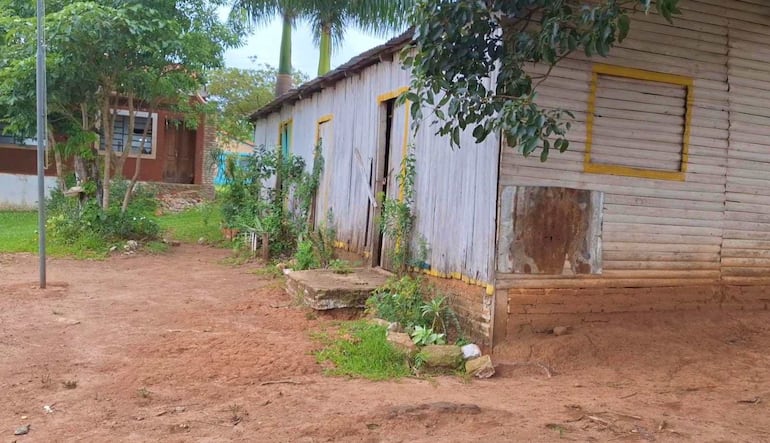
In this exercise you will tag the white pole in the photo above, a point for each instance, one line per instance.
(41, 138)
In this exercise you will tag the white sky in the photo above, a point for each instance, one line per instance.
(265, 42)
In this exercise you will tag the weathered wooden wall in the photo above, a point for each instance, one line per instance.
(712, 227)
(455, 189)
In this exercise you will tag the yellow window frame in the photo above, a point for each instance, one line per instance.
(323, 119)
(638, 74)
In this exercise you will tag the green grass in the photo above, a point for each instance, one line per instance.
(18, 233)
(361, 350)
(193, 224)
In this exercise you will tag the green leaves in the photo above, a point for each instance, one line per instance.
(471, 63)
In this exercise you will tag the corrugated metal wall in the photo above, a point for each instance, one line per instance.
(659, 232)
(455, 190)
(746, 246)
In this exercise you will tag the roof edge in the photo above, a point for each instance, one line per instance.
(353, 66)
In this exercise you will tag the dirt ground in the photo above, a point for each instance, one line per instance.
(180, 347)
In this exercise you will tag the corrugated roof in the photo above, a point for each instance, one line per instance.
(353, 66)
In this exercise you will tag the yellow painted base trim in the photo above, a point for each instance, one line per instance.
(490, 289)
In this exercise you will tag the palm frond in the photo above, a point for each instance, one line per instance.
(254, 12)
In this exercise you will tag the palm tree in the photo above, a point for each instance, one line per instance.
(329, 19)
(260, 12)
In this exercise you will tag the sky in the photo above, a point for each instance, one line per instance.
(265, 42)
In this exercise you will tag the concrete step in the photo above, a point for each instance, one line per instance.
(322, 289)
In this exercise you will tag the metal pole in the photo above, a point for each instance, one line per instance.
(41, 138)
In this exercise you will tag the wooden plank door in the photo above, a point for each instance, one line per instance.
(180, 153)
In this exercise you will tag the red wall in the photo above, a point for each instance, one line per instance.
(22, 161)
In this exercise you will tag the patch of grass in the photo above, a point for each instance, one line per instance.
(271, 271)
(361, 350)
(143, 392)
(193, 224)
(19, 231)
(340, 266)
(156, 247)
(19, 234)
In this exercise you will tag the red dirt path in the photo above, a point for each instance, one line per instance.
(172, 347)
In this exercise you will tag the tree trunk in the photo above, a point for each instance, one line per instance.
(129, 143)
(108, 126)
(132, 184)
(57, 160)
(325, 58)
(87, 165)
(284, 80)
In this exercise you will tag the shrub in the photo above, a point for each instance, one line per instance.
(282, 213)
(416, 306)
(399, 300)
(304, 256)
(71, 222)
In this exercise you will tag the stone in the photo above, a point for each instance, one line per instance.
(402, 342)
(441, 356)
(22, 430)
(471, 351)
(171, 242)
(560, 330)
(395, 327)
(131, 245)
(480, 367)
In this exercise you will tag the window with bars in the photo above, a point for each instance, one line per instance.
(121, 132)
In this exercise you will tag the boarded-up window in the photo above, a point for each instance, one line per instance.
(550, 230)
(638, 123)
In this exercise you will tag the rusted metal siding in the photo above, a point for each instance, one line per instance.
(555, 231)
(656, 229)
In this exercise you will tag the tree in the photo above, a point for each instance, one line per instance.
(329, 20)
(239, 92)
(103, 55)
(260, 12)
(459, 45)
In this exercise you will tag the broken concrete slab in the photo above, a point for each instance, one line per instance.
(323, 289)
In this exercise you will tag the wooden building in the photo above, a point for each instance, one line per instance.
(661, 202)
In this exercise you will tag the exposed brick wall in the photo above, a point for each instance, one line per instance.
(540, 309)
(471, 304)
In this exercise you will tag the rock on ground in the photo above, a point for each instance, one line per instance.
(480, 367)
(441, 356)
(402, 342)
